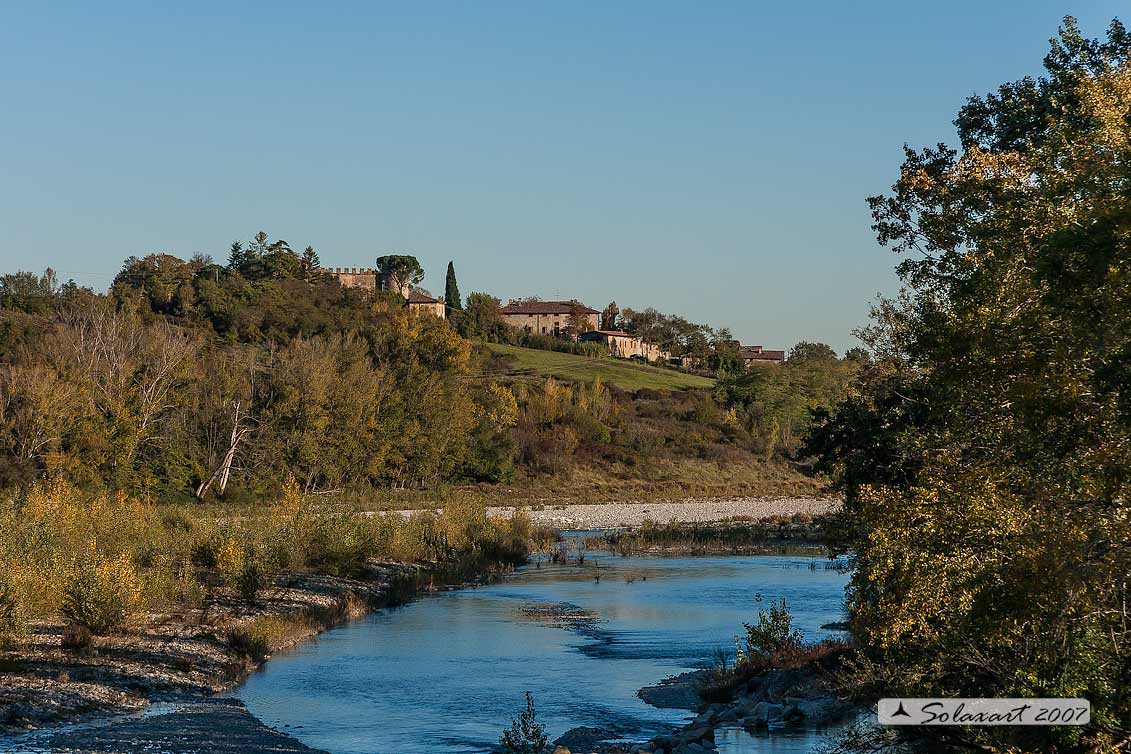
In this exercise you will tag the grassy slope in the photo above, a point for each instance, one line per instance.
(623, 374)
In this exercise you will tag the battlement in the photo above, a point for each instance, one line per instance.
(355, 277)
(352, 270)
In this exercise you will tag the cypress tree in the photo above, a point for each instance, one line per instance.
(451, 289)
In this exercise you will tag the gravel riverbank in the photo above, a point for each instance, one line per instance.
(176, 659)
(630, 514)
(212, 726)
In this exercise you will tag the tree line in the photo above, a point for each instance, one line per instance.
(191, 378)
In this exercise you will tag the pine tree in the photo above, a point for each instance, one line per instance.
(310, 262)
(237, 257)
(451, 289)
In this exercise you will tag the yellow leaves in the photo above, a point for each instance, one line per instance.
(231, 559)
(499, 408)
(1004, 169)
(102, 593)
(1106, 100)
(931, 550)
(120, 571)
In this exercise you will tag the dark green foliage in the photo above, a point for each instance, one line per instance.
(526, 735)
(481, 319)
(773, 632)
(804, 351)
(451, 289)
(678, 336)
(398, 272)
(776, 404)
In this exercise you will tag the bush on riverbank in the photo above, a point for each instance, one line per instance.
(771, 643)
(97, 561)
(526, 735)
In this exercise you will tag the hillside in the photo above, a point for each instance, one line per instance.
(622, 374)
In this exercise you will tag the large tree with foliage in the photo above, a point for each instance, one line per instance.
(609, 316)
(399, 272)
(482, 320)
(987, 461)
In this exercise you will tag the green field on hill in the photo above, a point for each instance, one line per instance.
(623, 374)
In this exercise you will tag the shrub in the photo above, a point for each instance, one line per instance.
(773, 633)
(101, 593)
(525, 736)
(13, 627)
(257, 638)
(170, 583)
(247, 568)
(340, 544)
(293, 526)
(76, 637)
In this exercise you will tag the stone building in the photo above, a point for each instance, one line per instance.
(368, 279)
(547, 317)
(624, 345)
(355, 277)
(420, 303)
(758, 356)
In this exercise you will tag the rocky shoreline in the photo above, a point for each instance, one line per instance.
(209, 726)
(54, 699)
(775, 699)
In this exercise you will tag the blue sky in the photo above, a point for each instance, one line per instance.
(708, 159)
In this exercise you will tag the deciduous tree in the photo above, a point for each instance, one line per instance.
(986, 460)
(399, 272)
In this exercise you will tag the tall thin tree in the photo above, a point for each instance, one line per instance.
(451, 289)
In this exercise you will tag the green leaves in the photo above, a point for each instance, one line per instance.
(986, 460)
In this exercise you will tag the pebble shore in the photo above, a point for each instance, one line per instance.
(632, 514)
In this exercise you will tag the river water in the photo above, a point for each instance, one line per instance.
(446, 673)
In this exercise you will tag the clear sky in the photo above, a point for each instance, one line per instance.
(709, 159)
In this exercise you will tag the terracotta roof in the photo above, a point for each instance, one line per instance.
(757, 352)
(544, 307)
(614, 333)
(415, 297)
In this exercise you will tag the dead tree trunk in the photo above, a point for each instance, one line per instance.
(223, 471)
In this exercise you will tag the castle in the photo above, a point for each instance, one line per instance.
(370, 279)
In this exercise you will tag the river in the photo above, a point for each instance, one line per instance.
(447, 672)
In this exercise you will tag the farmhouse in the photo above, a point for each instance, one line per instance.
(624, 345)
(758, 356)
(420, 303)
(547, 317)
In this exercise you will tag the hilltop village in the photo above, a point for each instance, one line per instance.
(562, 319)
